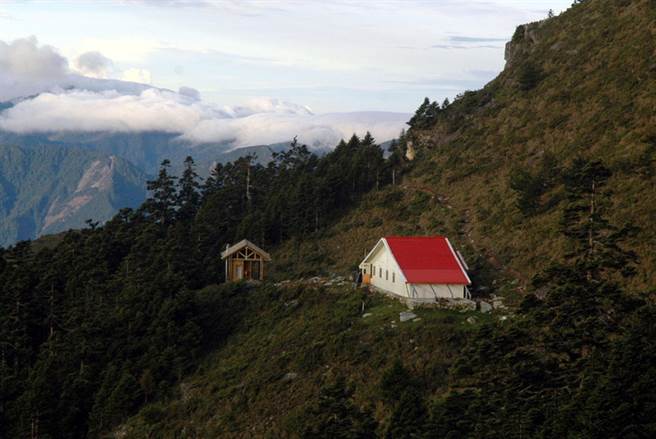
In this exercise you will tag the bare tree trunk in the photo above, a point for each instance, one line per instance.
(51, 303)
(591, 226)
(35, 426)
(592, 212)
(248, 185)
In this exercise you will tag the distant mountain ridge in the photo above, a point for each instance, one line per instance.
(54, 182)
(48, 189)
(80, 130)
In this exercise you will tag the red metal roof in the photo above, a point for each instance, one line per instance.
(427, 260)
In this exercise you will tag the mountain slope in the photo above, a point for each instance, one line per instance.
(48, 189)
(579, 84)
(144, 150)
(290, 340)
(592, 95)
(47, 186)
(120, 329)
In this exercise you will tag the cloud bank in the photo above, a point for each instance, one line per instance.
(262, 121)
(28, 69)
(94, 64)
(49, 97)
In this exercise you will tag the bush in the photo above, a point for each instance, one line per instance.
(530, 76)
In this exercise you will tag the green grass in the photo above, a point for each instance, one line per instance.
(594, 101)
(244, 387)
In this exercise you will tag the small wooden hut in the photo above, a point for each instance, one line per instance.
(244, 261)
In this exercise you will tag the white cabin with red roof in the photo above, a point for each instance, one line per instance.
(420, 269)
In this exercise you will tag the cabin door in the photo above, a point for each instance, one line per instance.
(239, 270)
(247, 270)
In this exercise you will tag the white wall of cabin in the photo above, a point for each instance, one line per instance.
(425, 292)
(383, 261)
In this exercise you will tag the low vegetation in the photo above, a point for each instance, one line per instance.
(294, 347)
(544, 179)
(102, 320)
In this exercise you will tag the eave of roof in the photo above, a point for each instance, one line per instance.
(245, 243)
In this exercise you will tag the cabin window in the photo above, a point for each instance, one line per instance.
(386, 274)
(373, 270)
(393, 276)
(380, 273)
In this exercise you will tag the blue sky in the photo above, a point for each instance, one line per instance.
(330, 56)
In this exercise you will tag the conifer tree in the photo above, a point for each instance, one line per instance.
(188, 193)
(403, 392)
(417, 121)
(584, 300)
(409, 416)
(335, 416)
(214, 181)
(396, 160)
(530, 76)
(595, 243)
(162, 201)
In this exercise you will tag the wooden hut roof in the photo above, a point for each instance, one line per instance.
(245, 243)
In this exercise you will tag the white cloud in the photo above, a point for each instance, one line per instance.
(81, 110)
(142, 76)
(49, 97)
(27, 69)
(263, 121)
(316, 130)
(24, 58)
(189, 92)
(94, 64)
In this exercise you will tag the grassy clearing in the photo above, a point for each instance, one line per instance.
(291, 340)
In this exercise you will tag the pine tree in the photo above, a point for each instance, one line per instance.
(396, 159)
(417, 121)
(188, 194)
(530, 76)
(161, 204)
(584, 301)
(432, 113)
(409, 416)
(215, 180)
(368, 140)
(595, 243)
(335, 416)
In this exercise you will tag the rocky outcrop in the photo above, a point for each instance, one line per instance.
(526, 37)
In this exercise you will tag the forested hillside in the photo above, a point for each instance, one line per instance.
(577, 85)
(49, 189)
(55, 182)
(489, 167)
(544, 179)
(110, 317)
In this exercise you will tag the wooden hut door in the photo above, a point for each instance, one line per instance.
(239, 270)
(247, 270)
